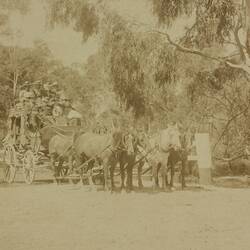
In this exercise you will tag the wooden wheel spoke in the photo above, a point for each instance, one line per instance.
(10, 161)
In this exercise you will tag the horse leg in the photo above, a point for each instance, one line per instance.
(122, 171)
(163, 176)
(90, 179)
(54, 167)
(157, 174)
(139, 172)
(60, 174)
(113, 160)
(172, 172)
(78, 162)
(155, 170)
(130, 175)
(70, 164)
(106, 174)
(112, 169)
(166, 179)
(183, 171)
(127, 180)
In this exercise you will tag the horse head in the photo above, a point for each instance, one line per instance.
(142, 141)
(117, 140)
(127, 143)
(186, 140)
(169, 139)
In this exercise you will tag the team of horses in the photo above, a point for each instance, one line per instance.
(84, 150)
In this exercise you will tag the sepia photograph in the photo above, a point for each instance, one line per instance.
(124, 124)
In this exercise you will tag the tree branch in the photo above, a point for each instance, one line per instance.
(218, 100)
(243, 66)
(237, 39)
(7, 78)
(187, 33)
(227, 125)
(187, 50)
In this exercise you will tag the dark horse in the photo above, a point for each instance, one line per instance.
(179, 155)
(126, 157)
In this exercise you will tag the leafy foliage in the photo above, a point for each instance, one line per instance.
(169, 10)
(80, 13)
(126, 72)
(21, 5)
(214, 19)
(32, 64)
(166, 66)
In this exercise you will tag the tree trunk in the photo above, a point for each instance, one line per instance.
(15, 83)
(149, 125)
(248, 25)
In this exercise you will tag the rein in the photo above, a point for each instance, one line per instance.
(145, 156)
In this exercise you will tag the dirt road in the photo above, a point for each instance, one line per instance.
(71, 217)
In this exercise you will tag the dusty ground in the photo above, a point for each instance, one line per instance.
(45, 216)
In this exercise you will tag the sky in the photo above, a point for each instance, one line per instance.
(66, 44)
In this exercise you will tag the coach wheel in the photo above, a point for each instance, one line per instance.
(75, 177)
(10, 161)
(98, 178)
(29, 167)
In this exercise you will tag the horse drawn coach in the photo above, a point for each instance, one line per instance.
(51, 136)
(31, 137)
